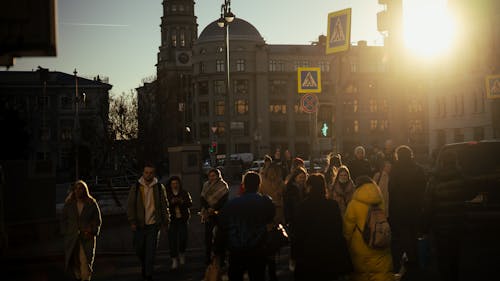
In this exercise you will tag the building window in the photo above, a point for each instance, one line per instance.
(42, 155)
(219, 87)
(373, 105)
(66, 133)
(324, 66)
(278, 129)
(219, 108)
(183, 41)
(204, 109)
(66, 102)
(277, 107)
(296, 65)
(278, 87)
(441, 106)
(204, 130)
(302, 128)
(373, 125)
(174, 40)
(240, 65)
(414, 106)
(415, 126)
(241, 87)
(356, 126)
(203, 88)
(459, 135)
(241, 107)
(383, 125)
(220, 49)
(174, 8)
(219, 66)
(298, 108)
(221, 128)
(202, 67)
(275, 66)
(354, 67)
(384, 107)
(355, 106)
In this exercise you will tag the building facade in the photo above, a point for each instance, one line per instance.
(55, 120)
(459, 107)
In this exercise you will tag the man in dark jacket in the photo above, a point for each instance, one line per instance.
(406, 190)
(243, 226)
(147, 211)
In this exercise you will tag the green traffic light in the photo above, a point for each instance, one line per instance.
(324, 130)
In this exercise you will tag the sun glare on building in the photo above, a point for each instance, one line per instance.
(429, 29)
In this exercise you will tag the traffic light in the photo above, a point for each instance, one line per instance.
(213, 147)
(324, 122)
(325, 129)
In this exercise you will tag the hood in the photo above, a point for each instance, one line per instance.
(368, 193)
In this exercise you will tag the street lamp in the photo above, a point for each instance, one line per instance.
(226, 17)
(76, 138)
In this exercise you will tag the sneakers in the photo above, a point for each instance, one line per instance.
(182, 259)
(175, 263)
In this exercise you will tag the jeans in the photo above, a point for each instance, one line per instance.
(145, 242)
(177, 237)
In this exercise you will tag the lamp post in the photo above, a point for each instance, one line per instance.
(76, 133)
(226, 17)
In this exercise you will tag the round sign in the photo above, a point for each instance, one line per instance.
(309, 103)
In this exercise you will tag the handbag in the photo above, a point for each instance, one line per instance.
(213, 272)
(276, 238)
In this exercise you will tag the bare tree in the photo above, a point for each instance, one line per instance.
(123, 116)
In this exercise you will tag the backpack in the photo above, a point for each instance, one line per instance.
(377, 231)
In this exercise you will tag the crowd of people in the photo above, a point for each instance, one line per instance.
(324, 214)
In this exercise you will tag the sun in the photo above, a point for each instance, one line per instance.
(428, 27)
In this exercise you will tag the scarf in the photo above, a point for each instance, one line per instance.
(213, 192)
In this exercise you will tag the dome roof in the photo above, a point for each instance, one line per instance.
(239, 29)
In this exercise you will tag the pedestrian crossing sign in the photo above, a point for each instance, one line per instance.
(493, 86)
(309, 80)
(339, 31)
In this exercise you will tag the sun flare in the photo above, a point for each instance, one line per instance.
(429, 29)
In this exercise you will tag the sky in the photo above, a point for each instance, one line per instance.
(119, 39)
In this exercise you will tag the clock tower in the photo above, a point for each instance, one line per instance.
(173, 90)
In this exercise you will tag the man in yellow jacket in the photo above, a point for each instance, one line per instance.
(369, 264)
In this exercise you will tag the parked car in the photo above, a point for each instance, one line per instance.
(256, 165)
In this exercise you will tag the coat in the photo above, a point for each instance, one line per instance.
(369, 264)
(135, 206)
(319, 248)
(73, 224)
(182, 202)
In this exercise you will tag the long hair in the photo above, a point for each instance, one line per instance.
(274, 173)
(317, 186)
(86, 192)
(299, 170)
